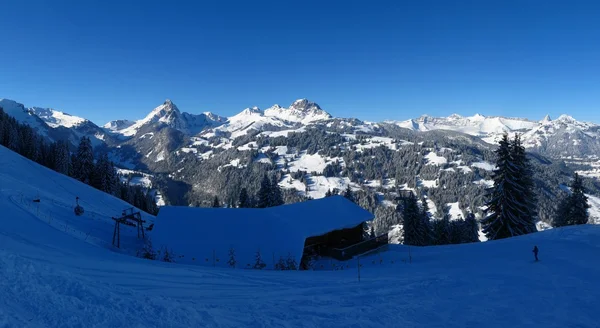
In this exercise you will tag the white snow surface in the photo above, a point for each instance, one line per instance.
(22, 115)
(55, 277)
(484, 166)
(455, 211)
(55, 118)
(435, 159)
(302, 111)
(275, 232)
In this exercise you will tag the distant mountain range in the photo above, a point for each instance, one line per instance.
(562, 137)
(201, 155)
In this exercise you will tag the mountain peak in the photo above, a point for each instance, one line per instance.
(301, 111)
(566, 118)
(252, 110)
(304, 104)
(546, 119)
(56, 118)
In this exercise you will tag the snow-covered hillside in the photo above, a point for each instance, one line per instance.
(56, 118)
(22, 115)
(55, 276)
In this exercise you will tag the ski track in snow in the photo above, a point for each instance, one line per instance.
(57, 278)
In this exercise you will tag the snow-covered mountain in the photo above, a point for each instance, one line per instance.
(168, 114)
(55, 118)
(301, 111)
(562, 137)
(54, 124)
(487, 128)
(117, 125)
(23, 115)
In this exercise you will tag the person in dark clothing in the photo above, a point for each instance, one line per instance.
(535, 252)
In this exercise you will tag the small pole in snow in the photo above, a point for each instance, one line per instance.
(409, 256)
(273, 260)
(358, 266)
(214, 257)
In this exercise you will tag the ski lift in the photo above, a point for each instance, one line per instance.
(78, 209)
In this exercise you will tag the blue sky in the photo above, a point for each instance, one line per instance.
(373, 60)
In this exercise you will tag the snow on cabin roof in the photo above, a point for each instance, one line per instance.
(197, 233)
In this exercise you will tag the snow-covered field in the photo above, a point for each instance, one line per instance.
(52, 276)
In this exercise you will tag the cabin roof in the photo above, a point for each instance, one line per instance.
(279, 231)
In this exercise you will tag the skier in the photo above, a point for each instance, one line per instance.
(535, 252)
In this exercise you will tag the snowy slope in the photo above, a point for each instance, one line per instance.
(21, 114)
(250, 119)
(118, 125)
(55, 118)
(52, 278)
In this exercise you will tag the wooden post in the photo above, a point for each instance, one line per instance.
(118, 234)
(114, 233)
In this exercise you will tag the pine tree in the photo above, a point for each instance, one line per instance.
(415, 232)
(471, 231)
(216, 202)
(573, 209)
(243, 200)
(83, 166)
(510, 205)
(349, 194)
(264, 193)
(276, 196)
(62, 158)
(441, 230)
(524, 176)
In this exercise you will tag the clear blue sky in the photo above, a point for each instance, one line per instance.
(373, 60)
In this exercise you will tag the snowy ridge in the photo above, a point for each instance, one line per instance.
(169, 114)
(302, 111)
(118, 125)
(23, 115)
(55, 118)
(490, 129)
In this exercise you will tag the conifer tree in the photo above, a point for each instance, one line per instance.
(349, 194)
(216, 202)
(276, 196)
(441, 231)
(243, 201)
(264, 193)
(573, 209)
(62, 158)
(83, 165)
(471, 231)
(510, 206)
(415, 232)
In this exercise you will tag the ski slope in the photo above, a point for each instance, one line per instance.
(54, 277)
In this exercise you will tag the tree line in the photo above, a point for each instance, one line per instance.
(82, 164)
